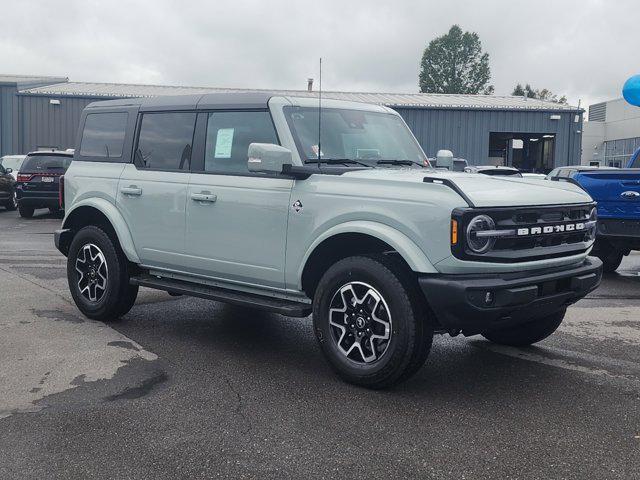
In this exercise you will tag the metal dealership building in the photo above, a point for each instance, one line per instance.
(43, 112)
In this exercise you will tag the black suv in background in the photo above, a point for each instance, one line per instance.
(7, 189)
(39, 181)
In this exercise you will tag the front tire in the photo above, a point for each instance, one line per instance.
(98, 275)
(370, 322)
(529, 333)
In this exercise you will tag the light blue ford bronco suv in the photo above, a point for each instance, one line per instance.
(238, 198)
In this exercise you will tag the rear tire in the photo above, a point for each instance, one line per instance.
(12, 204)
(372, 302)
(611, 259)
(529, 333)
(98, 275)
(25, 212)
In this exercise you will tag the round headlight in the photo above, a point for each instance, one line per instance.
(480, 244)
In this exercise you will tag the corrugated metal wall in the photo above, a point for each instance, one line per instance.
(37, 123)
(466, 132)
(42, 124)
(7, 100)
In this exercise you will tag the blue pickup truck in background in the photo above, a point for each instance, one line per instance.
(617, 191)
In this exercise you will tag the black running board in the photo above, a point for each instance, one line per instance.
(284, 307)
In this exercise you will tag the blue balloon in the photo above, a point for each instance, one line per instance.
(631, 90)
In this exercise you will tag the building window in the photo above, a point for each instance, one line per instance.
(618, 152)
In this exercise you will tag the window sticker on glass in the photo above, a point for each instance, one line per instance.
(224, 142)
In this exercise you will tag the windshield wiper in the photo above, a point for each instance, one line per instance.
(338, 161)
(399, 162)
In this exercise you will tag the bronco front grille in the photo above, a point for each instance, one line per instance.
(529, 233)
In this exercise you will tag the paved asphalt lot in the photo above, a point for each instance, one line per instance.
(185, 388)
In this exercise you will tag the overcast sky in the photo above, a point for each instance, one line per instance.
(584, 49)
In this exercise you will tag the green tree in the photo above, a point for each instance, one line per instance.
(455, 63)
(544, 94)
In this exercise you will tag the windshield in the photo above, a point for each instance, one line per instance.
(35, 163)
(11, 162)
(367, 137)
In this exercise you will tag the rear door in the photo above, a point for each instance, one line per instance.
(152, 192)
(616, 191)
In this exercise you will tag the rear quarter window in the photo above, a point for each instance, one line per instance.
(103, 135)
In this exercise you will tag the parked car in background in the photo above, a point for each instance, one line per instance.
(571, 171)
(7, 189)
(14, 162)
(617, 192)
(494, 171)
(38, 182)
(534, 176)
(230, 197)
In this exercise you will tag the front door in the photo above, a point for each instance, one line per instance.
(236, 221)
(152, 192)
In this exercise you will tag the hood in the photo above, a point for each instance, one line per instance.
(484, 190)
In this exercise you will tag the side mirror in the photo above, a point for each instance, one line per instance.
(444, 159)
(268, 158)
(8, 170)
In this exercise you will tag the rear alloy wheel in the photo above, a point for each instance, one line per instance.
(370, 322)
(98, 275)
(12, 203)
(25, 212)
(93, 272)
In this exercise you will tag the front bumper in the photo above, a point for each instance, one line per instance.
(479, 303)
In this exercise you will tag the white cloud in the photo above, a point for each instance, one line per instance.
(584, 49)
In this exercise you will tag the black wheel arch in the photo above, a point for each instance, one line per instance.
(82, 217)
(338, 247)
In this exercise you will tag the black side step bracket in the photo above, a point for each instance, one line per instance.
(285, 307)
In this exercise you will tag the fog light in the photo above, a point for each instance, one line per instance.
(488, 298)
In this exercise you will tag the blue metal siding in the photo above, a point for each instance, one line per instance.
(45, 125)
(7, 99)
(466, 132)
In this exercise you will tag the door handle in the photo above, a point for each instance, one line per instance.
(204, 197)
(131, 190)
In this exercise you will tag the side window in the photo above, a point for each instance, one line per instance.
(103, 135)
(165, 140)
(229, 135)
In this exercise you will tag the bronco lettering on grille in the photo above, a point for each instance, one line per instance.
(567, 227)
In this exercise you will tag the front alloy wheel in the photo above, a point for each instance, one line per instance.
(93, 272)
(360, 322)
(370, 322)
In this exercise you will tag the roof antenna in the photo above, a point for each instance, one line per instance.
(320, 114)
